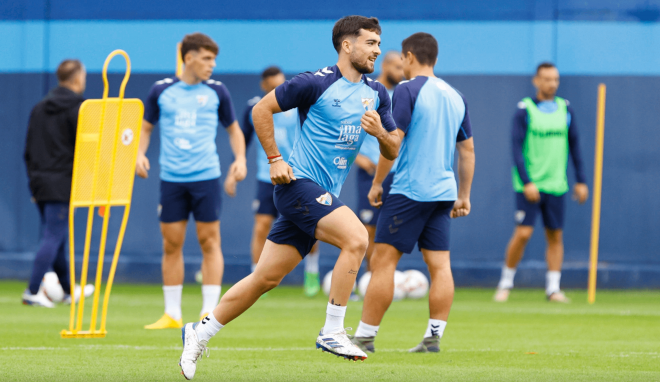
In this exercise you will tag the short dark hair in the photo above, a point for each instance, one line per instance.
(544, 65)
(270, 72)
(423, 46)
(68, 69)
(350, 26)
(196, 41)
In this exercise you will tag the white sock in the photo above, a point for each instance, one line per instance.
(210, 298)
(435, 328)
(312, 262)
(552, 282)
(253, 267)
(506, 282)
(334, 319)
(366, 330)
(208, 328)
(173, 300)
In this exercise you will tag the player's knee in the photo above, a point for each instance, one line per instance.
(266, 282)
(555, 236)
(357, 242)
(172, 247)
(524, 233)
(209, 243)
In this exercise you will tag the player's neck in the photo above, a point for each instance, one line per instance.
(421, 70)
(383, 80)
(189, 78)
(348, 71)
(543, 97)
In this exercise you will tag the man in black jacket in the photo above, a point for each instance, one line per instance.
(49, 150)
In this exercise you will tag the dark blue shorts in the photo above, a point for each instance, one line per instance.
(366, 212)
(301, 203)
(178, 200)
(263, 204)
(404, 222)
(550, 206)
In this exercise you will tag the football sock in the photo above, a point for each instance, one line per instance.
(506, 282)
(207, 328)
(435, 328)
(210, 297)
(173, 300)
(366, 330)
(253, 267)
(312, 262)
(334, 319)
(552, 282)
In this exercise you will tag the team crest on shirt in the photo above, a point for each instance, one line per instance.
(325, 199)
(368, 103)
(202, 100)
(519, 216)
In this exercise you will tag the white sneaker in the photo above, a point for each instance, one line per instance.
(38, 299)
(89, 290)
(340, 345)
(193, 349)
(501, 295)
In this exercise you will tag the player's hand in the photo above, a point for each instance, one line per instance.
(580, 192)
(230, 185)
(239, 169)
(531, 193)
(371, 123)
(281, 173)
(375, 195)
(142, 166)
(461, 208)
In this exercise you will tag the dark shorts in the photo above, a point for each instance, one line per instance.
(263, 204)
(178, 200)
(550, 206)
(404, 222)
(301, 203)
(366, 212)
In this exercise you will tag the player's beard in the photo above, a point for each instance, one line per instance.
(361, 67)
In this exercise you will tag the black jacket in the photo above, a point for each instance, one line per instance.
(50, 144)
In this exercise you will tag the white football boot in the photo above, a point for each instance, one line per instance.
(38, 299)
(193, 349)
(340, 345)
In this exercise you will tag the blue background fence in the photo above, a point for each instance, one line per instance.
(489, 53)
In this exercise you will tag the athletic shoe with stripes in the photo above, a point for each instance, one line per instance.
(340, 345)
(366, 344)
(428, 345)
(193, 349)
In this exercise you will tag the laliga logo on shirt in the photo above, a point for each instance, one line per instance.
(340, 162)
(368, 103)
(202, 100)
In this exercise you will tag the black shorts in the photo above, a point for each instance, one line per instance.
(367, 213)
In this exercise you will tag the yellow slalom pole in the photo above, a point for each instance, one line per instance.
(598, 184)
(113, 267)
(179, 61)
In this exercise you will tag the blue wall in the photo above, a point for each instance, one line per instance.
(486, 53)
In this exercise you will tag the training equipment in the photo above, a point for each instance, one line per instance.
(107, 142)
(166, 322)
(428, 345)
(598, 185)
(340, 345)
(52, 288)
(193, 350)
(364, 283)
(416, 284)
(399, 286)
(327, 281)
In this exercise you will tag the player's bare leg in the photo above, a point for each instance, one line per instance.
(514, 253)
(262, 225)
(174, 235)
(554, 258)
(371, 230)
(213, 265)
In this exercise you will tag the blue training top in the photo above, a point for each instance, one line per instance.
(434, 117)
(370, 147)
(286, 134)
(188, 116)
(330, 108)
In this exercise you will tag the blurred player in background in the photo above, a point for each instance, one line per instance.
(188, 111)
(286, 132)
(433, 121)
(337, 106)
(390, 75)
(49, 150)
(543, 134)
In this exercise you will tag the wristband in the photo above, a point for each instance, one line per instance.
(274, 156)
(277, 158)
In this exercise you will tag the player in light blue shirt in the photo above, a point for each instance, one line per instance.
(337, 106)
(390, 75)
(287, 131)
(433, 120)
(188, 111)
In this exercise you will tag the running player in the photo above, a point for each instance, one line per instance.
(544, 132)
(188, 111)
(337, 106)
(286, 131)
(433, 121)
(390, 75)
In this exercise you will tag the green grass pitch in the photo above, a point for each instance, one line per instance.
(526, 339)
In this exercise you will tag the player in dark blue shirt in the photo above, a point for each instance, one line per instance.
(337, 107)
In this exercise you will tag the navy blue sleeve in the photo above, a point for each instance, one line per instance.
(226, 114)
(151, 108)
(385, 108)
(301, 91)
(465, 132)
(518, 134)
(247, 126)
(402, 107)
(574, 148)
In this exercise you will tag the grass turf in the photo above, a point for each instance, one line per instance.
(617, 339)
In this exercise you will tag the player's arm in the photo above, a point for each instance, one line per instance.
(518, 135)
(580, 190)
(363, 162)
(238, 168)
(389, 141)
(383, 169)
(466, 161)
(142, 166)
(262, 117)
